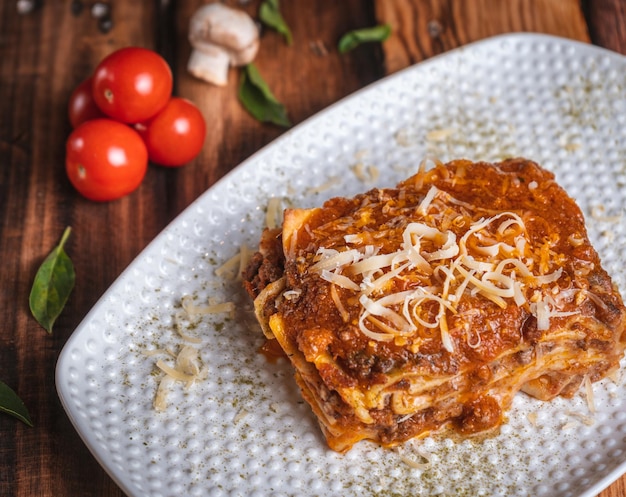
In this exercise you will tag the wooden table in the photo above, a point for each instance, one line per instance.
(45, 53)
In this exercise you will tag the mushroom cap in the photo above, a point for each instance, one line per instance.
(232, 29)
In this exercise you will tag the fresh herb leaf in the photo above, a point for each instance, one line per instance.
(11, 404)
(258, 99)
(353, 39)
(53, 284)
(270, 15)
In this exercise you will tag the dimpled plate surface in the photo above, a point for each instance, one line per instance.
(244, 430)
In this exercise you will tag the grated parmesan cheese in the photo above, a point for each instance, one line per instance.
(274, 213)
(228, 270)
(187, 365)
(178, 319)
(160, 399)
(586, 420)
(187, 369)
(332, 181)
(508, 275)
(439, 135)
(591, 405)
(366, 174)
(173, 372)
(598, 213)
(193, 310)
(240, 415)
(414, 456)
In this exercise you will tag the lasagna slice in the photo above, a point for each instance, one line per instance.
(429, 305)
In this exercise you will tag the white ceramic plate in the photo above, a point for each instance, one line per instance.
(244, 430)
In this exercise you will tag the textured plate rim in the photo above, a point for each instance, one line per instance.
(121, 478)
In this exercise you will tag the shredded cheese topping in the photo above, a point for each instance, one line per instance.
(187, 365)
(493, 259)
(187, 368)
(273, 216)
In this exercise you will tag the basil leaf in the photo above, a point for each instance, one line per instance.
(53, 284)
(11, 404)
(352, 39)
(258, 99)
(270, 15)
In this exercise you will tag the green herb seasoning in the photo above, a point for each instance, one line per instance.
(270, 15)
(353, 39)
(258, 99)
(11, 404)
(53, 285)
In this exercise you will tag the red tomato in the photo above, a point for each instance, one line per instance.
(82, 106)
(105, 159)
(175, 135)
(132, 84)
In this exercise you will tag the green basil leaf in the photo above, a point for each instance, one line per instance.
(270, 15)
(11, 404)
(258, 99)
(353, 39)
(53, 284)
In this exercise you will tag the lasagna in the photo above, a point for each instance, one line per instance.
(426, 306)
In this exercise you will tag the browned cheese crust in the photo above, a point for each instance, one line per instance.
(431, 304)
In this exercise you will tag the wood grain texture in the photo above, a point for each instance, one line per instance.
(44, 54)
(306, 77)
(607, 25)
(423, 28)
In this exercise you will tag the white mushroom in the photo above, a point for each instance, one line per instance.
(221, 36)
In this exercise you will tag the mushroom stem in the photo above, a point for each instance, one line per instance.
(221, 36)
(210, 64)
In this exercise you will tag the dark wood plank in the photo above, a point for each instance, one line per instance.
(306, 77)
(43, 55)
(423, 28)
(607, 24)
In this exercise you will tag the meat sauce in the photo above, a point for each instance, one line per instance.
(383, 214)
(483, 333)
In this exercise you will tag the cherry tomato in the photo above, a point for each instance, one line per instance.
(81, 106)
(175, 135)
(105, 159)
(132, 84)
